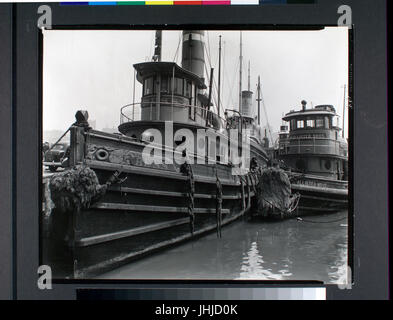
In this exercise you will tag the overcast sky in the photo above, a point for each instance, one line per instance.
(92, 70)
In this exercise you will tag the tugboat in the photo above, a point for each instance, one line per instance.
(315, 155)
(126, 195)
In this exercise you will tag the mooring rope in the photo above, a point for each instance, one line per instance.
(290, 210)
(218, 204)
(58, 140)
(248, 192)
(243, 195)
(253, 183)
(187, 169)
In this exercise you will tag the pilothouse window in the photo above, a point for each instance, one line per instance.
(148, 87)
(188, 89)
(164, 85)
(320, 123)
(300, 124)
(293, 124)
(178, 86)
(310, 123)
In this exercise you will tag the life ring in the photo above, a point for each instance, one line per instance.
(102, 155)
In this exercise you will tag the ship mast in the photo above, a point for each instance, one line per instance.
(248, 75)
(240, 74)
(219, 78)
(345, 88)
(259, 100)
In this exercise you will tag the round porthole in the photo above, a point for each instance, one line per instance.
(102, 154)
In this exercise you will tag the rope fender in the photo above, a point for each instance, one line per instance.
(187, 170)
(218, 204)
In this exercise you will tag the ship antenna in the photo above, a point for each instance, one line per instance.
(210, 95)
(259, 100)
(345, 88)
(248, 75)
(240, 74)
(219, 78)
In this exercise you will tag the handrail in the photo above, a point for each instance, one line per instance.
(203, 112)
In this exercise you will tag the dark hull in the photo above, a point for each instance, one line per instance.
(145, 213)
(320, 195)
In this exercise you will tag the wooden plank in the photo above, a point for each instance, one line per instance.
(138, 207)
(318, 178)
(324, 199)
(128, 233)
(172, 193)
(340, 192)
(117, 261)
(154, 172)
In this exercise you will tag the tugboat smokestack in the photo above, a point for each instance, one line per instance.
(193, 58)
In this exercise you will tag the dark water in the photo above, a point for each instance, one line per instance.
(312, 249)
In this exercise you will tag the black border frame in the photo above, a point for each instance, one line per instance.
(305, 282)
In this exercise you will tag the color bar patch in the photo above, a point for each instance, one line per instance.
(244, 2)
(103, 3)
(216, 2)
(159, 2)
(131, 3)
(191, 2)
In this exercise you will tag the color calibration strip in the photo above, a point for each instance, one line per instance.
(189, 2)
(207, 294)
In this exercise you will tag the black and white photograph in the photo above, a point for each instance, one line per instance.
(184, 154)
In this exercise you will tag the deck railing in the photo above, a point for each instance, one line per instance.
(149, 111)
(311, 145)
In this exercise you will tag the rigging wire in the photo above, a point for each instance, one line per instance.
(267, 119)
(230, 99)
(215, 85)
(210, 64)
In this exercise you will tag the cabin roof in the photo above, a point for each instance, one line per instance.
(147, 69)
(317, 111)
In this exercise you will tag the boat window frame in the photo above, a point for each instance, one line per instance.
(165, 79)
(188, 84)
(312, 123)
(319, 124)
(292, 124)
(152, 78)
(176, 90)
(329, 122)
(298, 122)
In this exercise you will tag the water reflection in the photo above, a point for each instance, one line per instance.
(312, 249)
(253, 267)
(339, 271)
